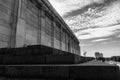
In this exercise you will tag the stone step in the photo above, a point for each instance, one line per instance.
(61, 72)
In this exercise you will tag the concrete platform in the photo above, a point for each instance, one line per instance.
(37, 54)
(60, 72)
(97, 63)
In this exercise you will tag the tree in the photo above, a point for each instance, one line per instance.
(85, 53)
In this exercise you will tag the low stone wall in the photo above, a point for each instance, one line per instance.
(65, 72)
(37, 54)
(36, 59)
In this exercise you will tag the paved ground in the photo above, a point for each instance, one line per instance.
(114, 63)
(97, 63)
(92, 70)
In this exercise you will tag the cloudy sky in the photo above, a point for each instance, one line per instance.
(96, 23)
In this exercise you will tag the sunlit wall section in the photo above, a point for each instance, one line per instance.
(28, 24)
(74, 46)
(21, 24)
(32, 24)
(57, 36)
(63, 40)
(71, 42)
(48, 30)
(66, 42)
(42, 24)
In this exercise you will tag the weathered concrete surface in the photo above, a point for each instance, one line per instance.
(61, 72)
(97, 63)
(36, 55)
(37, 59)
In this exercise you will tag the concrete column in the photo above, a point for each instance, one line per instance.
(43, 34)
(66, 44)
(39, 32)
(20, 33)
(79, 51)
(61, 38)
(54, 37)
(53, 33)
(13, 23)
(69, 44)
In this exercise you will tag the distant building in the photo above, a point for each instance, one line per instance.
(98, 55)
(34, 22)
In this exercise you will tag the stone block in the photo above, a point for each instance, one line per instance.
(60, 59)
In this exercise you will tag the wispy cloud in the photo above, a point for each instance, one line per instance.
(99, 40)
(65, 6)
(118, 36)
(92, 21)
(90, 18)
(98, 22)
(97, 32)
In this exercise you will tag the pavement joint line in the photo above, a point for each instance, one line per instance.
(91, 63)
(54, 65)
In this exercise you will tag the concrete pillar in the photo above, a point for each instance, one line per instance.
(39, 32)
(43, 34)
(67, 42)
(54, 41)
(61, 38)
(20, 33)
(13, 23)
(53, 34)
(79, 50)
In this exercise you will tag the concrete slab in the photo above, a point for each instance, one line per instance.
(61, 72)
(97, 63)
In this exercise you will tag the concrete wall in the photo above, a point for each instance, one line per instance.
(5, 20)
(28, 24)
(32, 25)
(35, 25)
